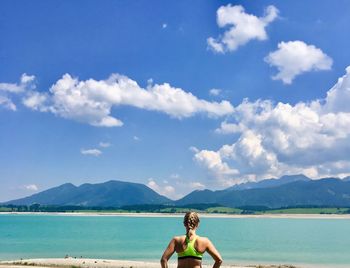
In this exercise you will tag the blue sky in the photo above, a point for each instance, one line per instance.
(271, 63)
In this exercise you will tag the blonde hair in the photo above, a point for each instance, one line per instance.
(191, 221)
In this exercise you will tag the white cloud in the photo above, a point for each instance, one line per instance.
(214, 163)
(152, 184)
(14, 88)
(169, 189)
(36, 101)
(31, 187)
(91, 101)
(26, 83)
(271, 140)
(241, 27)
(136, 138)
(7, 103)
(294, 58)
(338, 97)
(27, 79)
(105, 144)
(215, 92)
(93, 152)
(229, 128)
(166, 190)
(216, 46)
(196, 185)
(185, 186)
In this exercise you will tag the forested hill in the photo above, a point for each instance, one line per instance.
(288, 191)
(323, 192)
(108, 194)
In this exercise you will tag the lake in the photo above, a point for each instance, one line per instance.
(317, 242)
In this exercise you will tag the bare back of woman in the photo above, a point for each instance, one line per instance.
(190, 247)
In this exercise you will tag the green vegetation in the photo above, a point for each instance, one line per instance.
(202, 208)
(5, 209)
(224, 210)
(310, 211)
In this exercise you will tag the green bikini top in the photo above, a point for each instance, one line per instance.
(190, 251)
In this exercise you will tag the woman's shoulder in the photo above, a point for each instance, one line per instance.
(203, 239)
(179, 238)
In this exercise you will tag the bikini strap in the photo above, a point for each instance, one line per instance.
(191, 241)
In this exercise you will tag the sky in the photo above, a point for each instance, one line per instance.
(176, 95)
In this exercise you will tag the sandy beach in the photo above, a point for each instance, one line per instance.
(100, 263)
(180, 215)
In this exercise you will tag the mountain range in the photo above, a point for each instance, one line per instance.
(269, 182)
(287, 191)
(107, 194)
(325, 192)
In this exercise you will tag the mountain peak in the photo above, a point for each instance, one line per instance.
(346, 178)
(292, 178)
(267, 183)
(106, 194)
(276, 193)
(67, 185)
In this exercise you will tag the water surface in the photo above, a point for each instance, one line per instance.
(318, 242)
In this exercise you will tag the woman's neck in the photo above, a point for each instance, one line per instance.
(192, 233)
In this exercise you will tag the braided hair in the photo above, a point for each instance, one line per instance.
(191, 221)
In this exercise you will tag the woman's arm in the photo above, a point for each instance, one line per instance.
(214, 253)
(167, 253)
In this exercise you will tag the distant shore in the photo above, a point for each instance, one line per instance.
(100, 263)
(204, 215)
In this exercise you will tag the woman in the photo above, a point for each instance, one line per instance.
(190, 247)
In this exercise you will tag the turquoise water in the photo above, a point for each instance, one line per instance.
(318, 242)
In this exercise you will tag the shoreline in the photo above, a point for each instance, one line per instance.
(107, 263)
(72, 262)
(179, 215)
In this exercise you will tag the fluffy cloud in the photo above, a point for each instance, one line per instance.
(104, 144)
(35, 101)
(229, 128)
(176, 188)
(7, 89)
(215, 92)
(338, 97)
(93, 152)
(31, 187)
(242, 27)
(25, 81)
(276, 139)
(7, 103)
(196, 185)
(185, 186)
(166, 190)
(294, 58)
(91, 101)
(215, 164)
